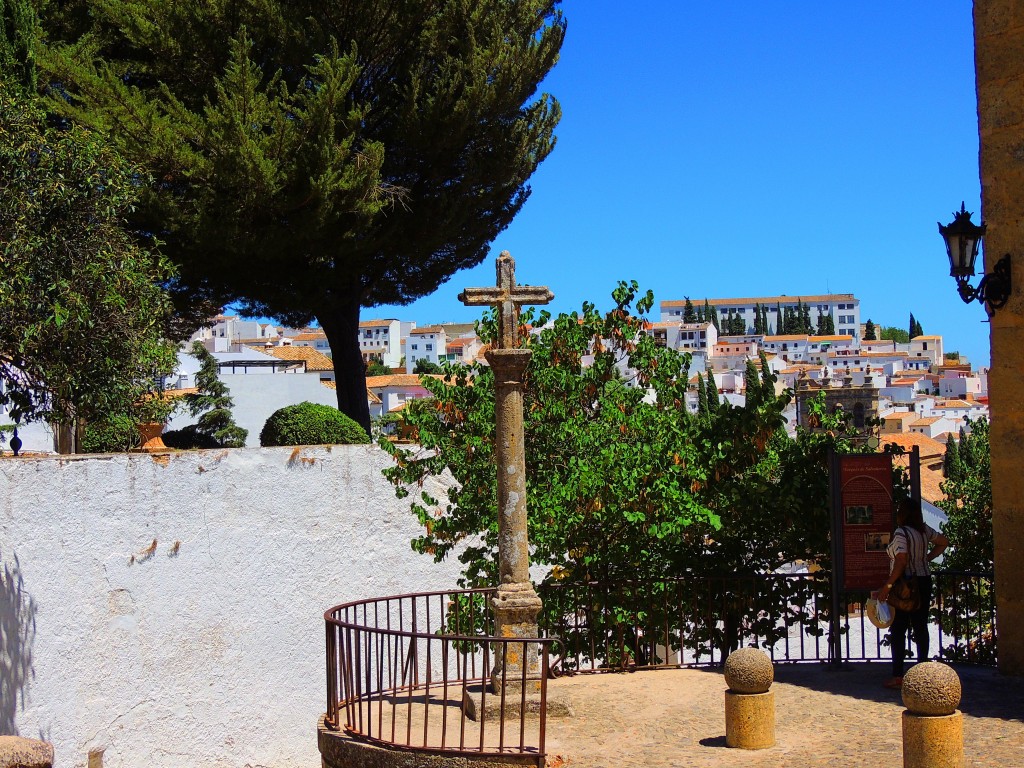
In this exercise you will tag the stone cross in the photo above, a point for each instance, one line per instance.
(506, 297)
(516, 604)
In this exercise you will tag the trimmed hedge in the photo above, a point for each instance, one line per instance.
(311, 424)
(189, 438)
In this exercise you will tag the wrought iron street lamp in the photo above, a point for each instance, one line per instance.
(963, 238)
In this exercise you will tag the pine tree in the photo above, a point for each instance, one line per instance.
(689, 316)
(702, 396)
(212, 403)
(367, 150)
(869, 331)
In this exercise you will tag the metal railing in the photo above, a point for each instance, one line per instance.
(401, 670)
(408, 671)
(698, 620)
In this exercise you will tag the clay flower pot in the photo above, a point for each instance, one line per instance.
(151, 432)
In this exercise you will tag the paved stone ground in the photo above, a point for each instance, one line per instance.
(824, 717)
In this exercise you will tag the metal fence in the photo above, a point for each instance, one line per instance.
(401, 669)
(407, 672)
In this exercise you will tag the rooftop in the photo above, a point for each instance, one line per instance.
(813, 299)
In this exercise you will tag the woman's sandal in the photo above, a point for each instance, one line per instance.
(894, 682)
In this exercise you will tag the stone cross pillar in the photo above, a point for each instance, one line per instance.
(516, 604)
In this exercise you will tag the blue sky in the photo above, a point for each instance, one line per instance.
(750, 149)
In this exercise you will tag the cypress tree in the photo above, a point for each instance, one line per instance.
(869, 331)
(689, 316)
(767, 377)
(951, 460)
(708, 313)
(700, 314)
(753, 382)
(779, 319)
(913, 326)
(806, 320)
(702, 397)
(712, 393)
(366, 150)
(715, 321)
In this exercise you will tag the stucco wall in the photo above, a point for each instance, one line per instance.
(207, 649)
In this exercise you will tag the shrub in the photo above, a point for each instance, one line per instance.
(311, 424)
(189, 437)
(117, 434)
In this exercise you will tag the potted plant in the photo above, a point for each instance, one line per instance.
(151, 414)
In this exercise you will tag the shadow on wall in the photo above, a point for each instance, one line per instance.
(17, 632)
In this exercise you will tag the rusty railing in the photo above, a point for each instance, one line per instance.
(400, 669)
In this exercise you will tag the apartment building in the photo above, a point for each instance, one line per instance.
(843, 308)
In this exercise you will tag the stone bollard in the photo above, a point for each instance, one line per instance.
(933, 734)
(749, 705)
(19, 752)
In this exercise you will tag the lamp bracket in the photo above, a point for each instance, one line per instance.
(994, 289)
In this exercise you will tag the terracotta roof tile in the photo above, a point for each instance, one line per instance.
(907, 440)
(314, 359)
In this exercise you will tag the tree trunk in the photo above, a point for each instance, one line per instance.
(341, 324)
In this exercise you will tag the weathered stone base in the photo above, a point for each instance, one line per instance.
(933, 741)
(339, 750)
(477, 706)
(750, 720)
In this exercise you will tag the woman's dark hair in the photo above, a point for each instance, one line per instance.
(908, 512)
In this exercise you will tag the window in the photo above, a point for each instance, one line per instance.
(368, 335)
(430, 347)
(415, 346)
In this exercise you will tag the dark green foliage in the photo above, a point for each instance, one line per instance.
(118, 434)
(689, 315)
(424, 366)
(712, 392)
(710, 315)
(190, 437)
(367, 150)
(311, 424)
(715, 321)
(826, 325)
(212, 404)
(376, 368)
(915, 328)
(17, 44)
(702, 396)
(869, 331)
(83, 315)
(753, 383)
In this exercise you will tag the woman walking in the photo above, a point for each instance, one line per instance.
(913, 546)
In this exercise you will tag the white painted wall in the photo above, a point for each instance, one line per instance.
(208, 651)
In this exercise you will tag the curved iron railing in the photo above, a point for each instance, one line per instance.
(402, 670)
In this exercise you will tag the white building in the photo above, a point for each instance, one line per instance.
(427, 343)
(843, 308)
(381, 340)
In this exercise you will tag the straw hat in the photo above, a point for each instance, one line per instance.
(879, 614)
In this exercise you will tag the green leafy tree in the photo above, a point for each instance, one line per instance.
(689, 315)
(869, 331)
(84, 314)
(212, 403)
(311, 424)
(968, 507)
(891, 333)
(377, 368)
(366, 150)
(426, 366)
(624, 483)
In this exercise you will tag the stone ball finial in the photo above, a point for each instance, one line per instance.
(19, 752)
(931, 688)
(749, 670)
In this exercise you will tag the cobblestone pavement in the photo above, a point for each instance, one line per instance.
(824, 717)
